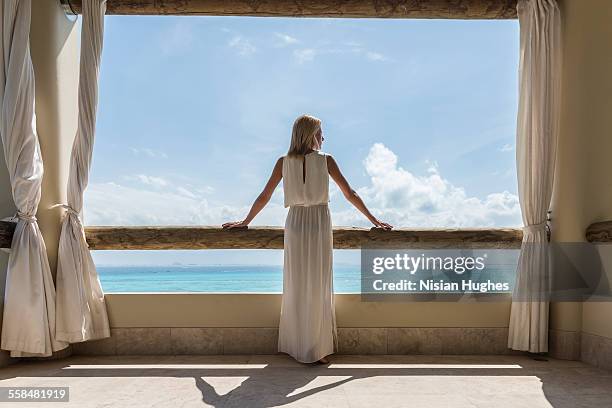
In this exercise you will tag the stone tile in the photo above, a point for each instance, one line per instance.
(588, 348)
(123, 360)
(143, 340)
(468, 340)
(590, 401)
(447, 340)
(596, 350)
(250, 340)
(362, 340)
(516, 401)
(564, 344)
(564, 382)
(414, 341)
(544, 362)
(196, 340)
(589, 370)
(461, 360)
(280, 360)
(413, 401)
(554, 383)
(102, 347)
(222, 360)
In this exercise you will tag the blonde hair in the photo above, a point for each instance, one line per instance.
(305, 128)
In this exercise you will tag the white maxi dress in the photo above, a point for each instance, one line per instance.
(307, 329)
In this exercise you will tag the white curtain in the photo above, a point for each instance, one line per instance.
(28, 326)
(81, 309)
(536, 143)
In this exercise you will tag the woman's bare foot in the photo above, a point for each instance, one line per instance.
(324, 360)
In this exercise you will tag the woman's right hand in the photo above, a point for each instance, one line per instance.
(235, 224)
(379, 224)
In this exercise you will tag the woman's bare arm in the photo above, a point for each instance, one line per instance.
(351, 195)
(263, 198)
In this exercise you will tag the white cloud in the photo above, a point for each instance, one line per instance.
(205, 190)
(393, 193)
(149, 180)
(506, 148)
(308, 54)
(285, 39)
(183, 191)
(145, 151)
(304, 55)
(242, 45)
(375, 56)
(114, 204)
(430, 200)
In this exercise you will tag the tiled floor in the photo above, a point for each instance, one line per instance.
(348, 381)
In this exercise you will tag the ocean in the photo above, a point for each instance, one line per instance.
(233, 279)
(213, 278)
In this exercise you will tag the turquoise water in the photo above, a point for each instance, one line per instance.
(214, 278)
(220, 278)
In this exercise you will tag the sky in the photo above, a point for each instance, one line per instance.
(194, 111)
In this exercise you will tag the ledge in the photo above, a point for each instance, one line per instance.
(192, 237)
(211, 237)
(451, 9)
(6, 233)
(599, 232)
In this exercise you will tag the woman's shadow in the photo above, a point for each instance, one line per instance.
(267, 387)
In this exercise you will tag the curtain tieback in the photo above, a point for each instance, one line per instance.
(26, 217)
(533, 228)
(68, 209)
(20, 216)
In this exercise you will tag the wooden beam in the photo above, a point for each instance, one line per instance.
(120, 238)
(599, 232)
(6, 233)
(447, 9)
(191, 237)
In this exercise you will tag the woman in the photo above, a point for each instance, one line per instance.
(307, 329)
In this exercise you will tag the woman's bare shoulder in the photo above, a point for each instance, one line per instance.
(332, 166)
(329, 157)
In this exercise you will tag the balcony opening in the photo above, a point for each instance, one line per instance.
(193, 112)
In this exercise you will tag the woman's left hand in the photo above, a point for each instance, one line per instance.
(235, 224)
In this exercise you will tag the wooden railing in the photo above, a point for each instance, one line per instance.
(205, 237)
(599, 232)
(6, 233)
(459, 9)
